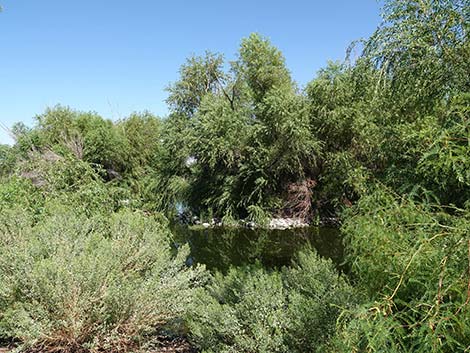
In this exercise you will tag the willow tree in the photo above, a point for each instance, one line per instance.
(247, 128)
(392, 112)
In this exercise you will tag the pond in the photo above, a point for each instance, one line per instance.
(219, 248)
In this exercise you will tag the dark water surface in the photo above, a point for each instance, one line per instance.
(218, 248)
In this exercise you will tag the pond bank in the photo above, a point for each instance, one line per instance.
(279, 223)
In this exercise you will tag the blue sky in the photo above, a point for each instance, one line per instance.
(116, 57)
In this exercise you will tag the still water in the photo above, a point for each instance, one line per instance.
(219, 248)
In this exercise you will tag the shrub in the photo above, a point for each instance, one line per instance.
(413, 260)
(21, 193)
(241, 312)
(255, 310)
(70, 181)
(89, 284)
(317, 296)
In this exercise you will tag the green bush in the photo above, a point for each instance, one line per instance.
(89, 283)
(241, 312)
(242, 141)
(20, 193)
(413, 260)
(255, 310)
(8, 159)
(317, 296)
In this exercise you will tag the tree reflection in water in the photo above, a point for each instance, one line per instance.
(219, 248)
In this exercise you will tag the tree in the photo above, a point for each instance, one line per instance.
(201, 75)
(247, 129)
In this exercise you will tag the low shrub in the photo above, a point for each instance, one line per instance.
(255, 310)
(317, 296)
(75, 283)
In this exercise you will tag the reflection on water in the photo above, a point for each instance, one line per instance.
(218, 248)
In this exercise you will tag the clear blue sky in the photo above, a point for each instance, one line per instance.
(115, 57)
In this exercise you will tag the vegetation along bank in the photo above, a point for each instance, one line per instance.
(381, 141)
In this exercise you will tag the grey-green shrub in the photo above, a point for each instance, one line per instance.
(89, 284)
(255, 310)
(317, 295)
(243, 311)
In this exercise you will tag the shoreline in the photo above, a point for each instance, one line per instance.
(275, 223)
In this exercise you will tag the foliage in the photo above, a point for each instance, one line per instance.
(422, 53)
(241, 312)
(20, 193)
(199, 76)
(89, 283)
(85, 135)
(445, 165)
(71, 182)
(141, 132)
(418, 275)
(247, 131)
(7, 160)
(382, 139)
(254, 310)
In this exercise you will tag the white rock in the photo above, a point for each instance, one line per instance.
(286, 223)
